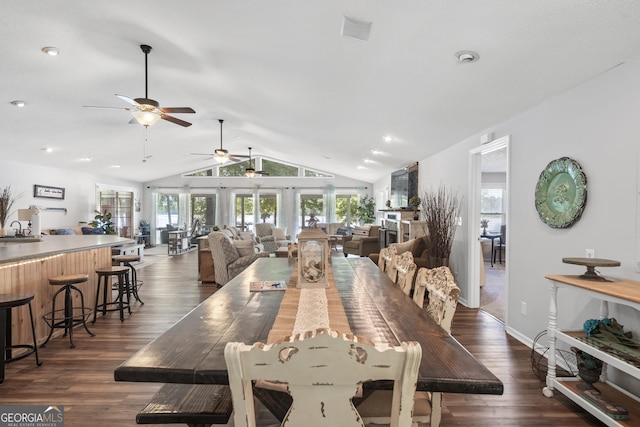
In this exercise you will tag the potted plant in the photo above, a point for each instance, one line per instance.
(484, 223)
(103, 220)
(365, 212)
(414, 202)
(6, 203)
(441, 210)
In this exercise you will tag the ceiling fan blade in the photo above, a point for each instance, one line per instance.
(128, 100)
(184, 110)
(175, 120)
(262, 173)
(237, 157)
(108, 108)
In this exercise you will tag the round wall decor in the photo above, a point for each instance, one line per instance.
(561, 193)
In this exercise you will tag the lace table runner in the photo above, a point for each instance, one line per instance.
(309, 309)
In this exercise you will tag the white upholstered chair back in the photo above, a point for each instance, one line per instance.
(443, 294)
(405, 271)
(391, 263)
(382, 259)
(322, 370)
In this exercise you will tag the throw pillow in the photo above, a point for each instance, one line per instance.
(91, 230)
(247, 235)
(244, 247)
(61, 232)
(279, 233)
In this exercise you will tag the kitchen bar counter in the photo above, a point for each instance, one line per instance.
(14, 249)
(26, 268)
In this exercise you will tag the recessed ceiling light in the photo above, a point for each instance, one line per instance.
(85, 159)
(115, 166)
(387, 138)
(47, 149)
(367, 160)
(376, 152)
(465, 56)
(360, 167)
(51, 51)
(19, 104)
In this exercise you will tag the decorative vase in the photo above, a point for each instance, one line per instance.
(484, 231)
(589, 368)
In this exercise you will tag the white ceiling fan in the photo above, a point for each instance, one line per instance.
(221, 155)
(147, 111)
(251, 171)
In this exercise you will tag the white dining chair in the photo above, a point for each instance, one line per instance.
(443, 295)
(405, 271)
(322, 371)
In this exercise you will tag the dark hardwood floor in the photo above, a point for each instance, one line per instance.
(81, 379)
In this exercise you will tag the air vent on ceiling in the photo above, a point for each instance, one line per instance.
(355, 28)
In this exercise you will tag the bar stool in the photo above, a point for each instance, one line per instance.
(124, 288)
(126, 260)
(7, 302)
(70, 317)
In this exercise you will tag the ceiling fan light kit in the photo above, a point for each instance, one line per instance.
(145, 118)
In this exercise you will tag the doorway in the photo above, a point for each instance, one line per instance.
(489, 196)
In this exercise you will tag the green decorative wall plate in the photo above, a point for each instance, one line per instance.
(561, 193)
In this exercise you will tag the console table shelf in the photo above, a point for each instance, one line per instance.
(622, 292)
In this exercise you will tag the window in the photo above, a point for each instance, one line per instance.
(167, 210)
(203, 206)
(268, 208)
(492, 208)
(244, 211)
(278, 169)
(311, 204)
(346, 205)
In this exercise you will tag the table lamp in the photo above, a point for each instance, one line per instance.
(25, 215)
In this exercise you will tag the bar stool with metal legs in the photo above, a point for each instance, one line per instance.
(126, 260)
(71, 316)
(124, 290)
(7, 302)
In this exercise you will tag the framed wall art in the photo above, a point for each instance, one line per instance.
(47, 192)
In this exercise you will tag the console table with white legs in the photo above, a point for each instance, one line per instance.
(619, 291)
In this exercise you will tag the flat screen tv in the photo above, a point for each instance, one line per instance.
(404, 185)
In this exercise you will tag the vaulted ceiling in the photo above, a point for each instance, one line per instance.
(285, 80)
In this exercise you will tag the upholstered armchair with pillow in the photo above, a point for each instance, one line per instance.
(231, 257)
(272, 237)
(362, 242)
(234, 234)
(418, 247)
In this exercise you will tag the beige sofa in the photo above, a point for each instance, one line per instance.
(65, 230)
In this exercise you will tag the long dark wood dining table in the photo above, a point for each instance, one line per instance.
(192, 350)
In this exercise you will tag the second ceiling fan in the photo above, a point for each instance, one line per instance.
(221, 155)
(251, 170)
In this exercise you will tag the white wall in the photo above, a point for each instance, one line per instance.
(597, 124)
(80, 192)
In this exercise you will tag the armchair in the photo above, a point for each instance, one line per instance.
(362, 242)
(227, 261)
(271, 237)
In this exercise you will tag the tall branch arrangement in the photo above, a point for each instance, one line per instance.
(441, 209)
(6, 203)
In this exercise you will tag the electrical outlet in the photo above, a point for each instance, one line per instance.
(523, 308)
(591, 253)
